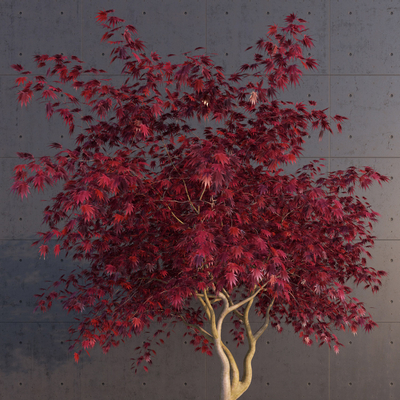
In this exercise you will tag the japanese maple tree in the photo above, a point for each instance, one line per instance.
(176, 223)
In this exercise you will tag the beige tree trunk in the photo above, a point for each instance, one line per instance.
(232, 385)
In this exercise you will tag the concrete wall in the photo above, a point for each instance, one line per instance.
(358, 49)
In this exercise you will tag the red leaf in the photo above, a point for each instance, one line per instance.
(72, 98)
(272, 30)
(144, 129)
(221, 158)
(113, 21)
(198, 85)
(107, 36)
(131, 28)
(21, 188)
(110, 269)
(57, 249)
(234, 231)
(44, 249)
(49, 110)
(49, 93)
(118, 218)
(156, 109)
(17, 67)
(137, 323)
(103, 15)
(231, 279)
(24, 96)
(237, 251)
(88, 211)
(21, 80)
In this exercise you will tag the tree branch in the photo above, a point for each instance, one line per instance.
(202, 193)
(252, 340)
(211, 315)
(235, 379)
(184, 183)
(175, 215)
(237, 313)
(243, 302)
(233, 366)
(226, 387)
(247, 368)
(266, 323)
(199, 328)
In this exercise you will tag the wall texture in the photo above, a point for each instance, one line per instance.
(357, 46)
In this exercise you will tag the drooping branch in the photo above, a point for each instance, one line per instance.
(198, 328)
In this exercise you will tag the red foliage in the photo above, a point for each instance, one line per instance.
(161, 212)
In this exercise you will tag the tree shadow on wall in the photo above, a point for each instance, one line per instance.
(35, 361)
(22, 274)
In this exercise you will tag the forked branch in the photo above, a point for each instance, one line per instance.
(232, 387)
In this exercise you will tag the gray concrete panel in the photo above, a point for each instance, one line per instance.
(21, 219)
(301, 162)
(56, 29)
(316, 88)
(352, 38)
(23, 272)
(165, 28)
(362, 37)
(37, 361)
(372, 105)
(26, 129)
(283, 367)
(367, 368)
(239, 24)
(384, 305)
(383, 200)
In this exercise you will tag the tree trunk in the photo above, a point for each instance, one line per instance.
(232, 387)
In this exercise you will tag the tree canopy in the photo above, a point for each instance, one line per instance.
(172, 221)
